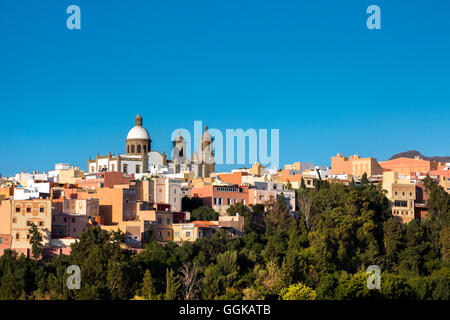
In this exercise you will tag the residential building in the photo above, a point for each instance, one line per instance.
(401, 193)
(355, 165)
(221, 197)
(16, 217)
(263, 192)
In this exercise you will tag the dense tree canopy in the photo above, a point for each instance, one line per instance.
(322, 253)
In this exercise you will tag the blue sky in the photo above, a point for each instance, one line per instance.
(311, 69)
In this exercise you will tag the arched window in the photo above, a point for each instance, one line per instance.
(132, 149)
(128, 149)
(139, 148)
(145, 148)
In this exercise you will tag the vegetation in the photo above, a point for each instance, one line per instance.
(322, 253)
(204, 213)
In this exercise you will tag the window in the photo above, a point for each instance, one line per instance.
(74, 229)
(138, 168)
(199, 234)
(159, 220)
(128, 149)
(174, 191)
(41, 223)
(399, 203)
(168, 220)
(410, 194)
(395, 192)
(73, 219)
(235, 200)
(215, 200)
(14, 220)
(28, 236)
(28, 209)
(139, 149)
(229, 201)
(17, 236)
(168, 233)
(160, 234)
(145, 148)
(28, 223)
(125, 168)
(188, 234)
(177, 234)
(243, 202)
(17, 209)
(1, 239)
(65, 219)
(112, 167)
(41, 209)
(132, 149)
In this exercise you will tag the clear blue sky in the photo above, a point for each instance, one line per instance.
(309, 68)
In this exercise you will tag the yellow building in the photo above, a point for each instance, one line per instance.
(401, 194)
(206, 229)
(16, 217)
(70, 176)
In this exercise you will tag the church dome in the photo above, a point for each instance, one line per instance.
(138, 131)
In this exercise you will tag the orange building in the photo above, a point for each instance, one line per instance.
(408, 166)
(116, 204)
(103, 180)
(355, 165)
(233, 178)
(444, 178)
(6, 192)
(221, 197)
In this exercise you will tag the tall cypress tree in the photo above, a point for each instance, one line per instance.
(148, 288)
(172, 285)
(36, 241)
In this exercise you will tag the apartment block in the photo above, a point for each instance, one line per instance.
(221, 197)
(401, 193)
(16, 217)
(354, 165)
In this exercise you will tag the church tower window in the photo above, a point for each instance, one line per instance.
(132, 149)
(139, 148)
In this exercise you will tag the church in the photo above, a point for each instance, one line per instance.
(139, 158)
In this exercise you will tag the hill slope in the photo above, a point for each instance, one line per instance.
(413, 153)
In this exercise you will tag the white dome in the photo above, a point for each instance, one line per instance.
(138, 132)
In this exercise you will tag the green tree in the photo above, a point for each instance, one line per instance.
(288, 185)
(302, 184)
(364, 179)
(204, 213)
(189, 204)
(37, 247)
(148, 290)
(298, 291)
(172, 285)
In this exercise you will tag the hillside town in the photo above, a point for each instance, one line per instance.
(147, 196)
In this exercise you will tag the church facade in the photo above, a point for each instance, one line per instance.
(140, 158)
